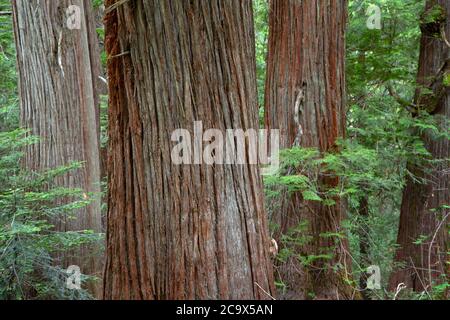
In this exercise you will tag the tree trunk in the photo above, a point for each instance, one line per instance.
(58, 70)
(182, 231)
(425, 261)
(364, 244)
(305, 99)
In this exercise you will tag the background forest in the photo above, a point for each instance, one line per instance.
(382, 151)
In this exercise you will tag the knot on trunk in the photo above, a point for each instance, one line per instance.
(432, 21)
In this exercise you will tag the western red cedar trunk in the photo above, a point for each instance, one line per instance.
(427, 262)
(189, 231)
(364, 244)
(305, 99)
(58, 70)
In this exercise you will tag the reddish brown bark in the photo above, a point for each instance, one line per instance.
(182, 232)
(364, 244)
(305, 99)
(58, 70)
(426, 263)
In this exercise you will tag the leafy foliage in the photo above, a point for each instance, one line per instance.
(382, 137)
(28, 243)
(9, 115)
(261, 14)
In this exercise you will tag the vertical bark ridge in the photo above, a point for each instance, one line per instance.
(424, 267)
(58, 72)
(306, 65)
(204, 231)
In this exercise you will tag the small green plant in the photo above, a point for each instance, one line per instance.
(434, 14)
(28, 240)
(446, 80)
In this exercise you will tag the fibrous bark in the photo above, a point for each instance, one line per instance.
(364, 244)
(182, 231)
(423, 234)
(58, 70)
(305, 99)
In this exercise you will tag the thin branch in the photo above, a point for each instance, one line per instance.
(420, 278)
(444, 36)
(411, 107)
(430, 279)
(268, 294)
(115, 6)
(120, 55)
(400, 287)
